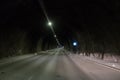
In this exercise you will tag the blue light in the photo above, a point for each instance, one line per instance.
(74, 43)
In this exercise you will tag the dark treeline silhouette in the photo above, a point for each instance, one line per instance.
(101, 41)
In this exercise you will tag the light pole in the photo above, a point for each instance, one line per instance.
(54, 34)
(49, 23)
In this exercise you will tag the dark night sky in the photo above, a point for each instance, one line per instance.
(69, 17)
(85, 16)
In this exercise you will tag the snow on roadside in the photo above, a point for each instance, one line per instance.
(107, 62)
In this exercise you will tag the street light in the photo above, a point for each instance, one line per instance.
(54, 34)
(49, 23)
(75, 46)
(74, 43)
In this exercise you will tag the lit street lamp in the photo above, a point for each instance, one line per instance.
(75, 44)
(54, 34)
(49, 23)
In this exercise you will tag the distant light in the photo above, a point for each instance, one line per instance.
(55, 36)
(49, 23)
(74, 43)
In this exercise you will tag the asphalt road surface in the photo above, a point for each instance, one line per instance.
(54, 66)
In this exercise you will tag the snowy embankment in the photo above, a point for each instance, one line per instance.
(112, 61)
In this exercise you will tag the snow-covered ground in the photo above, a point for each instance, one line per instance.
(110, 61)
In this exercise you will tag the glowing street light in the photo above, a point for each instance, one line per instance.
(49, 23)
(54, 34)
(75, 44)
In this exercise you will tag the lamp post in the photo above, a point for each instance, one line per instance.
(54, 34)
(49, 23)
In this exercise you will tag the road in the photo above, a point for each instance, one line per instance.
(54, 67)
